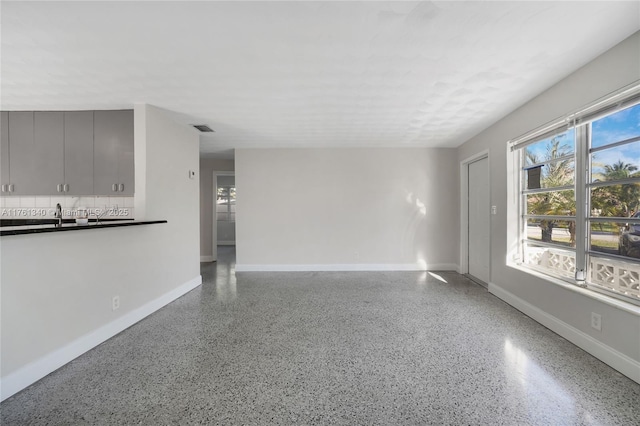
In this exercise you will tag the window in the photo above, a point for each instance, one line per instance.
(226, 204)
(579, 197)
(549, 203)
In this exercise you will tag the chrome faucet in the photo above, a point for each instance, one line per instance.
(58, 214)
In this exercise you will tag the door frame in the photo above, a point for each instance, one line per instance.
(464, 209)
(214, 213)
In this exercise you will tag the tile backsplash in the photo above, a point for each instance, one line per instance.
(14, 207)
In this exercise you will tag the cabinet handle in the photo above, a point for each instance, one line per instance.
(114, 187)
(11, 187)
(121, 187)
(65, 187)
(59, 187)
(4, 188)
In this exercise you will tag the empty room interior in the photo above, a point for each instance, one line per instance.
(328, 212)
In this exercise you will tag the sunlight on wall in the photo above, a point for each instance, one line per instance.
(409, 197)
(422, 208)
(422, 264)
(414, 228)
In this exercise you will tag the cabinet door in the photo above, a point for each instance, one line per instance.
(48, 154)
(78, 152)
(22, 147)
(105, 152)
(4, 153)
(125, 153)
(113, 153)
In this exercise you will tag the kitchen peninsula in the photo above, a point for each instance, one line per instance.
(88, 286)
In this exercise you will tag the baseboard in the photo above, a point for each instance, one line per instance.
(36, 370)
(345, 267)
(444, 267)
(617, 360)
(205, 259)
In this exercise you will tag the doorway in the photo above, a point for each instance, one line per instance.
(224, 212)
(476, 226)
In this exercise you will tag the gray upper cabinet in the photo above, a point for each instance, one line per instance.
(67, 153)
(113, 153)
(36, 149)
(47, 155)
(21, 145)
(78, 152)
(4, 153)
(33, 153)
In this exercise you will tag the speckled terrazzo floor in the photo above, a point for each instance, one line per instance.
(352, 348)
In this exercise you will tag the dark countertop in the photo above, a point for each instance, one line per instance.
(48, 221)
(21, 227)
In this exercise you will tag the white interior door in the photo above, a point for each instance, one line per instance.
(479, 220)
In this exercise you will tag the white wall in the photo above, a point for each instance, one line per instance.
(564, 309)
(57, 288)
(342, 209)
(207, 168)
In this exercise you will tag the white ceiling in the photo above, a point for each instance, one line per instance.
(298, 74)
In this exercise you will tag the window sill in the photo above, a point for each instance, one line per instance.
(596, 295)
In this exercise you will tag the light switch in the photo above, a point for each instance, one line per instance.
(494, 209)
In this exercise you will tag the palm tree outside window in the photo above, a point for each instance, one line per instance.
(580, 202)
(226, 203)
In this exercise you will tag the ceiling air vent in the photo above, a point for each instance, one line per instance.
(203, 127)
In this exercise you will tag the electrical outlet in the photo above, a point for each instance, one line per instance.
(494, 209)
(596, 321)
(115, 303)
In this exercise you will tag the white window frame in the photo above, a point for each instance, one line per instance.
(228, 212)
(580, 121)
